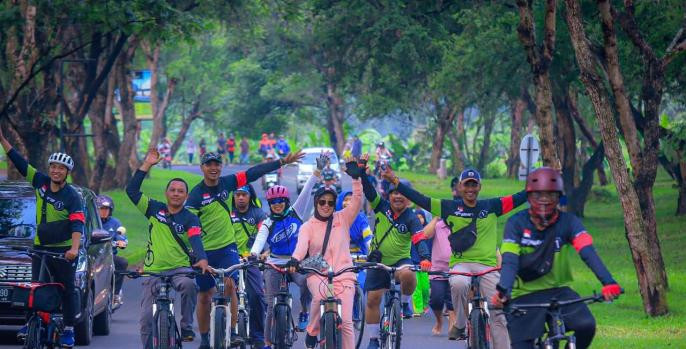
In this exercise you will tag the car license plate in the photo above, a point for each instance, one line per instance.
(6, 294)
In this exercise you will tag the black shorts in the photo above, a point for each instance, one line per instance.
(378, 279)
(532, 324)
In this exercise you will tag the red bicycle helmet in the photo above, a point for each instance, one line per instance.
(277, 191)
(544, 179)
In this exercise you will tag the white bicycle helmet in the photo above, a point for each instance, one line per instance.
(62, 159)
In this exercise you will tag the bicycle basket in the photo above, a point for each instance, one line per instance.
(45, 297)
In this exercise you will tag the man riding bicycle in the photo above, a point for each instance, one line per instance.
(60, 222)
(396, 230)
(119, 240)
(246, 218)
(470, 216)
(172, 229)
(209, 199)
(543, 235)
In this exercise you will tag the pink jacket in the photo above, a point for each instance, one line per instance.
(311, 236)
(440, 251)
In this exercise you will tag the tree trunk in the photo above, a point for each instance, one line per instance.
(517, 111)
(159, 108)
(458, 155)
(577, 201)
(336, 116)
(489, 122)
(583, 126)
(647, 261)
(185, 125)
(540, 60)
(123, 168)
(567, 137)
(445, 114)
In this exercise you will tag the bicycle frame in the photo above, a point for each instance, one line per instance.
(164, 301)
(283, 298)
(219, 300)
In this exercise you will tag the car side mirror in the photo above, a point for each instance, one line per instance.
(100, 236)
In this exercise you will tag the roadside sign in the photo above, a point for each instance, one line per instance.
(529, 152)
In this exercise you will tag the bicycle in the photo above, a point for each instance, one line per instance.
(165, 332)
(391, 322)
(283, 326)
(556, 326)
(359, 302)
(42, 299)
(478, 328)
(220, 314)
(330, 309)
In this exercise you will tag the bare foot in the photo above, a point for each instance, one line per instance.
(436, 330)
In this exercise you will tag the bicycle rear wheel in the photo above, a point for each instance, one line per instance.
(164, 336)
(477, 330)
(34, 333)
(219, 328)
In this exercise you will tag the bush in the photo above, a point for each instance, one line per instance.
(602, 194)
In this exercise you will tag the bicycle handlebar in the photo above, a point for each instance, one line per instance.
(553, 304)
(372, 265)
(39, 253)
(132, 274)
(307, 270)
(232, 268)
(452, 272)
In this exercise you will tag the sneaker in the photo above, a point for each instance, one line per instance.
(373, 343)
(303, 319)
(236, 340)
(407, 312)
(67, 339)
(311, 341)
(204, 346)
(258, 344)
(187, 335)
(456, 333)
(117, 302)
(21, 335)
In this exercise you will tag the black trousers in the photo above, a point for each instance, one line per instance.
(524, 329)
(120, 264)
(62, 272)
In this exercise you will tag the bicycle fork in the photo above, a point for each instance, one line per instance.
(227, 324)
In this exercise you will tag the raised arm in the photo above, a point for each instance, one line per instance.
(261, 237)
(304, 198)
(133, 189)
(350, 213)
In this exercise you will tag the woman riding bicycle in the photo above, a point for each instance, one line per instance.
(337, 254)
(280, 230)
(537, 248)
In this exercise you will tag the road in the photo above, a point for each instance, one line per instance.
(125, 333)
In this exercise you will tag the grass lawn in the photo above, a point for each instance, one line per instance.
(622, 324)
(136, 224)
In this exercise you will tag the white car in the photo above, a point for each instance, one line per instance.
(307, 165)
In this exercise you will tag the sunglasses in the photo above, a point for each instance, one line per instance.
(277, 201)
(326, 202)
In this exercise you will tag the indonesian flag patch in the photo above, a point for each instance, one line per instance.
(527, 233)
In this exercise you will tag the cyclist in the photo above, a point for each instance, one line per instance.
(439, 297)
(282, 146)
(169, 225)
(280, 230)
(119, 240)
(247, 217)
(60, 225)
(360, 232)
(329, 179)
(455, 188)
(462, 216)
(525, 231)
(336, 254)
(396, 230)
(209, 200)
(420, 297)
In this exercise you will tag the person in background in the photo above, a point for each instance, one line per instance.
(440, 298)
(245, 151)
(264, 145)
(420, 296)
(203, 147)
(119, 241)
(231, 148)
(190, 150)
(221, 147)
(455, 188)
(356, 149)
(164, 149)
(347, 148)
(272, 140)
(282, 147)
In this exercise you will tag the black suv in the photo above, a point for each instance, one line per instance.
(95, 268)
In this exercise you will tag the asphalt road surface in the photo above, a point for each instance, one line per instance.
(124, 330)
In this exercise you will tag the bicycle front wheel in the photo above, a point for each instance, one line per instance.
(242, 325)
(395, 325)
(219, 328)
(330, 335)
(477, 330)
(281, 328)
(359, 315)
(164, 336)
(34, 333)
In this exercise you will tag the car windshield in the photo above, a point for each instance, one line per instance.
(311, 158)
(17, 217)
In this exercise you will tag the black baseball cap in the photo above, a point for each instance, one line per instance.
(211, 156)
(470, 175)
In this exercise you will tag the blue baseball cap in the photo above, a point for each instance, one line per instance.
(244, 189)
(470, 175)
